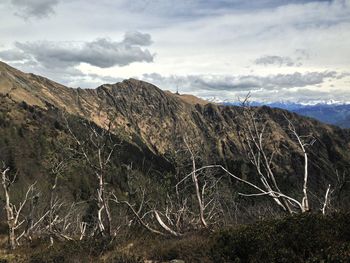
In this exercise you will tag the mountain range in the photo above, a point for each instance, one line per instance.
(330, 113)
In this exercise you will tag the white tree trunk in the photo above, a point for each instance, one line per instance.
(9, 210)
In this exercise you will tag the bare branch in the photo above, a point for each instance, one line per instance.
(326, 201)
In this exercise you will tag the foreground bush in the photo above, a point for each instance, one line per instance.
(302, 238)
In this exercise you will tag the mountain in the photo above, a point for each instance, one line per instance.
(151, 125)
(333, 114)
(330, 113)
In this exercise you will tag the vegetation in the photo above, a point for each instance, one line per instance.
(302, 238)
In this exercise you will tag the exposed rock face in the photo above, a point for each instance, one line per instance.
(144, 114)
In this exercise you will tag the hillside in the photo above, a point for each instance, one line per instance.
(145, 115)
(149, 127)
(141, 110)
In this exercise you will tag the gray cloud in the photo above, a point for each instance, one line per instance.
(191, 8)
(296, 79)
(35, 8)
(297, 87)
(101, 52)
(137, 38)
(276, 61)
(241, 83)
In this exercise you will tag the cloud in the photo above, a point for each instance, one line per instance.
(220, 83)
(137, 38)
(276, 61)
(102, 52)
(13, 55)
(35, 8)
(297, 87)
(296, 79)
(200, 8)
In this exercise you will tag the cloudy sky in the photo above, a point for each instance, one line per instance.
(297, 50)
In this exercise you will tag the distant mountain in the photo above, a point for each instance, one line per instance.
(335, 114)
(331, 114)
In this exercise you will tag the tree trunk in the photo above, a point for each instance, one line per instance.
(11, 237)
(9, 211)
(103, 209)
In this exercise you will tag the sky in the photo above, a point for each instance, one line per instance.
(220, 50)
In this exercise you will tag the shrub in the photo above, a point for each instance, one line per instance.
(303, 238)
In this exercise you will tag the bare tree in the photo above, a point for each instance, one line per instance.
(261, 151)
(14, 216)
(206, 191)
(150, 219)
(60, 216)
(201, 205)
(97, 151)
(54, 205)
(326, 200)
(336, 195)
(302, 144)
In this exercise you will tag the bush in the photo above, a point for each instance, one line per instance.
(303, 238)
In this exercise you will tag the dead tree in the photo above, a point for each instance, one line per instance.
(161, 217)
(201, 205)
(55, 172)
(335, 196)
(67, 223)
(150, 219)
(260, 153)
(14, 214)
(206, 194)
(58, 213)
(25, 221)
(97, 151)
(326, 200)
